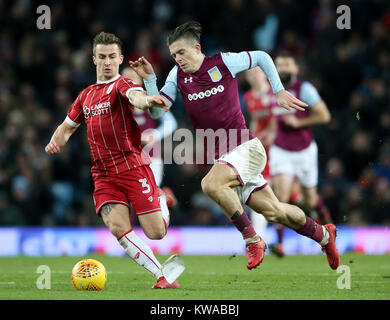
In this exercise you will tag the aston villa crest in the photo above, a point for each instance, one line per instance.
(215, 74)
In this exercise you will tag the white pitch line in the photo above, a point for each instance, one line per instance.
(7, 283)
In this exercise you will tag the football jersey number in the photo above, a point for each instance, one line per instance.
(145, 185)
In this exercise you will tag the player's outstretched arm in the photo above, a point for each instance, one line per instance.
(59, 138)
(238, 62)
(140, 100)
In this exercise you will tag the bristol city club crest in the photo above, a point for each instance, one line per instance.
(215, 74)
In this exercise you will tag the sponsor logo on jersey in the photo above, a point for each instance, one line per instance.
(206, 94)
(96, 110)
(215, 74)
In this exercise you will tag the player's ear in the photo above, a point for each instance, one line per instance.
(198, 47)
(94, 60)
(121, 59)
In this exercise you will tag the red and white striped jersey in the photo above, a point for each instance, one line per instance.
(113, 134)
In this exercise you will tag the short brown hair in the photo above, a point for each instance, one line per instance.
(286, 54)
(190, 30)
(106, 38)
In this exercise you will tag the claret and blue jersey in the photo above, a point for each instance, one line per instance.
(211, 95)
(289, 138)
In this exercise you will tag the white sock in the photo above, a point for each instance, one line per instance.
(255, 238)
(259, 223)
(140, 252)
(164, 209)
(325, 240)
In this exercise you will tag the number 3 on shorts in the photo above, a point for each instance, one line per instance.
(145, 185)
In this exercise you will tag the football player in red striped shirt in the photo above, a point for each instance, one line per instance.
(120, 170)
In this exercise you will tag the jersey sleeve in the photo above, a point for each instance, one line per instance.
(245, 60)
(126, 85)
(309, 94)
(168, 91)
(75, 115)
(237, 62)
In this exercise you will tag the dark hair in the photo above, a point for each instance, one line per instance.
(286, 54)
(190, 30)
(106, 38)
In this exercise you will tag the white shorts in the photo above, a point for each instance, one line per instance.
(247, 161)
(157, 167)
(300, 164)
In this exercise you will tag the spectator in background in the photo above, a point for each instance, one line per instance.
(236, 36)
(144, 48)
(382, 166)
(10, 215)
(265, 33)
(354, 207)
(359, 154)
(380, 203)
(334, 186)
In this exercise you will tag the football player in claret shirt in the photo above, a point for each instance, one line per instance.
(120, 170)
(209, 89)
(294, 154)
(260, 101)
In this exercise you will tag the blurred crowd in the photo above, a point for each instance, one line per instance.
(42, 71)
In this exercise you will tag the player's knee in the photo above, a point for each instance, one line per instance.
(156, 233)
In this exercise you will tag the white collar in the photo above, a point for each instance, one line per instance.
(111, 80)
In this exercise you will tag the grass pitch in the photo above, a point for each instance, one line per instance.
(205, 278)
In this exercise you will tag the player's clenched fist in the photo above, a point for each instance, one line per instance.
(52, 148)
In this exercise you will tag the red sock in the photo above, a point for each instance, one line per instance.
(243, 224)
(280, 232)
